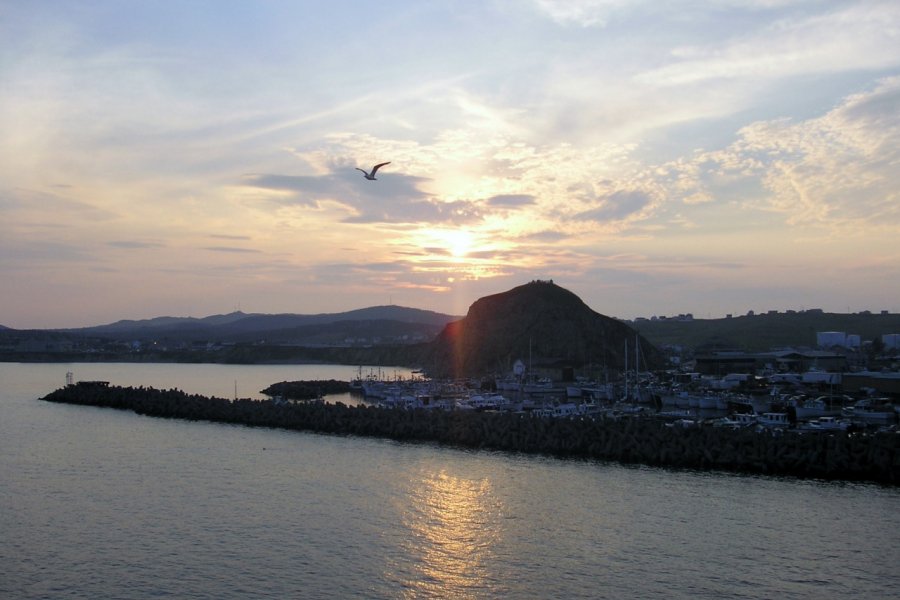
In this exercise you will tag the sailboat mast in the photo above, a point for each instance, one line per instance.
(637, 365)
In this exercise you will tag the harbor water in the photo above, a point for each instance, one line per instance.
(99, 503)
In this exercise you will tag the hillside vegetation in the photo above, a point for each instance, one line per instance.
(759, 333)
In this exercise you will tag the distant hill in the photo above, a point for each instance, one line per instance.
(759, 333)
(540, 322)
(323, 328)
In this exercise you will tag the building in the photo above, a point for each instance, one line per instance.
(793, 361)
(831, 339)
(880, 383)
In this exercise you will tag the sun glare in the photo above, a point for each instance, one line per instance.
(458, 243)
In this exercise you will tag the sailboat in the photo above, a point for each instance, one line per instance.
(634, 393)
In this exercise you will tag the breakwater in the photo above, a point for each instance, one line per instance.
(863, 456)
(306, 390)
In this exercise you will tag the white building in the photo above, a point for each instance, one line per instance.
(829, 339)
(891, 340)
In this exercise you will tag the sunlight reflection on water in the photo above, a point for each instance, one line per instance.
(454, 526)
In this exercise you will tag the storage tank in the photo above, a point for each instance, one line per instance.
(827, 339)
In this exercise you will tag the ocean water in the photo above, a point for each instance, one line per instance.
(98, 503)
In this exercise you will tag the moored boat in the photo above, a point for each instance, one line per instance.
(774, 419)
(825, 424)
(871, 410)
(821, 406)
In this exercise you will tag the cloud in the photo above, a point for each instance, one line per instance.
(837, 170)
(225, 236)
(135, 244)
(394, 198)
(546, 236)
(230, 249)
(420, 212)
(619, 206)
(39, 205)
(511, 200)
(585, 13)
(853, 37)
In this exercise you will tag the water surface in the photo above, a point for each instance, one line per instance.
(103, 503)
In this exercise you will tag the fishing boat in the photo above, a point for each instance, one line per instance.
(871, 410)
(821, 406)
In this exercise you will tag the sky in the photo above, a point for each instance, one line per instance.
(188, 158)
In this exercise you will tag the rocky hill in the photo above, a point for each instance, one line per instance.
(540, 323)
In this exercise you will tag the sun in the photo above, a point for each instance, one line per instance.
(458, 243)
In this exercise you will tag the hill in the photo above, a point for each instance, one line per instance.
(389, 322)
(760, 333)
(539, 322)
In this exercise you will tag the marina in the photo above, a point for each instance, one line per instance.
(774, 402)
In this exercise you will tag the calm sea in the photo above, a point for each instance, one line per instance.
(99, 503)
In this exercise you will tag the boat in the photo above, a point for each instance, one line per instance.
(745, 419)
(544, 385)
(746, 403)
(573, 391)
(736, 421)
(871, 410)
(711, 401)
(676, 413)
(589, 389)
(825, 424)
(774, 419)
(822, 406)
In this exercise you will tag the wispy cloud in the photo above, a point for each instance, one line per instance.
(231, 249)
(133, 245)
(852, 36)
(511, 200)
(838, 170)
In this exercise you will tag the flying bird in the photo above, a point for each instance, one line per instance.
(371, 176)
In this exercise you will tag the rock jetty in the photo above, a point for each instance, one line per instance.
(306, 390)
(860, 456)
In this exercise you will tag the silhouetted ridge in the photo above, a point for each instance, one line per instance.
(539, 322)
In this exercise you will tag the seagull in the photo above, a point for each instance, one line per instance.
(371, 176)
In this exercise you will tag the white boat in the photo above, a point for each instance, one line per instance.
(745, 419)
(676, 413)
(675, 397)
(743, 403)
(708, 402)
(736, 421)
(510, 383)
(774, 419)
(597, 391)
(543, 385)
(488, 402)
(826, 424)
(871, 410)
(567, 409)
(813, 408)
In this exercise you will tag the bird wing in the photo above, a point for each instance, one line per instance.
(378, 166)
(358, 169)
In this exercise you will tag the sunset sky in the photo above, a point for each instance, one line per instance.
(195, 158)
